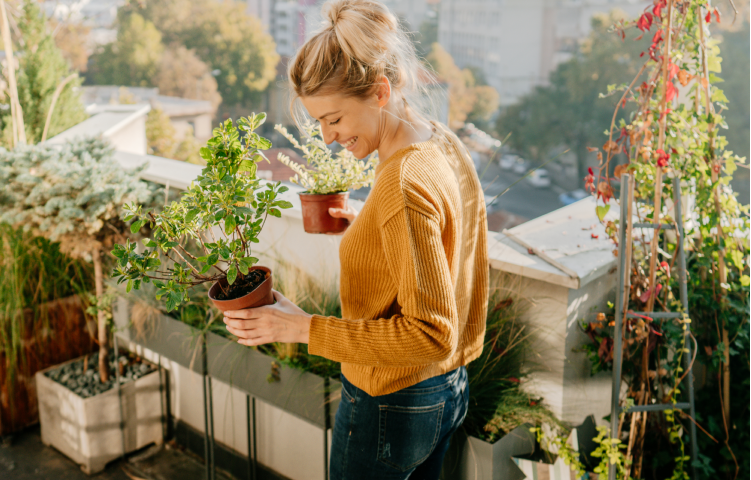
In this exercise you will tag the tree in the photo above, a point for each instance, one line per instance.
(466, 99)
(182, 74)
(132, 59)
(41, 68)
(72, 39)
(569, 111)
(736, 73)
(161, 139)
(225, 37)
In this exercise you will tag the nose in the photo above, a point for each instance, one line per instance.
(328, 134)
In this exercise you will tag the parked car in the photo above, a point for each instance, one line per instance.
(520, 166)
(508, 161)
(539, 178)
(567, 198)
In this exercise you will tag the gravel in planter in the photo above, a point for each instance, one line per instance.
(87, 384)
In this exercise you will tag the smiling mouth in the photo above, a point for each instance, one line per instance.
(349, 142)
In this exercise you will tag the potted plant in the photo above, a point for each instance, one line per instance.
(71, 194)
(208, 235)
(327, 179)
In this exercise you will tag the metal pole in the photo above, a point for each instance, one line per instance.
(205, 411)
(623, 270)
(255, 439)
(161, 397)
(119, 392)
(683, 281)
(327, 426)
(250, 452)
(211, 427)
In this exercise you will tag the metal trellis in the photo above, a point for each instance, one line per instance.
(624, 256)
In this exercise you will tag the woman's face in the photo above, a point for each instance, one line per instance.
(352, 122)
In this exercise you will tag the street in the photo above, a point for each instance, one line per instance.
(522, 199)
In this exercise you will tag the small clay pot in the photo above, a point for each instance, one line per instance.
(315, 212)
(259, 297)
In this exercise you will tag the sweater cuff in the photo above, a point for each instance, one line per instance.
(317, 338)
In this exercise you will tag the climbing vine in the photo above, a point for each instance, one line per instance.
(674, 130)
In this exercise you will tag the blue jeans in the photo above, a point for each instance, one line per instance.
(401, 435)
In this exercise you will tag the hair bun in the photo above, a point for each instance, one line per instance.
(336, 11)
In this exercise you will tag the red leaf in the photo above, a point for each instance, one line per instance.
(672, 91)
(662, 158)
(658, 9)
(672, 70)
(708, 17)
(717, 15)
(645, 22)
(589, 169)
(594, 235)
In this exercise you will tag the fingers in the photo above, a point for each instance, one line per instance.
(337, 212)
(241, 324)
(246, 314)
(254, 342)
(278, 296)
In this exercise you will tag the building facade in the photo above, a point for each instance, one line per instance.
(518, 43)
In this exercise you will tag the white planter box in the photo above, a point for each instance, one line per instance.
(87, 430)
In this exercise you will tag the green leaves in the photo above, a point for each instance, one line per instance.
(229, 224)
(231, 274)
(226, 201)
(136, 226)
(602, 210)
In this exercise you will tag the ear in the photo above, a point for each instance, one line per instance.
(383, 91)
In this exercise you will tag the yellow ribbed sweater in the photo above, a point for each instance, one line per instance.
(414, 274)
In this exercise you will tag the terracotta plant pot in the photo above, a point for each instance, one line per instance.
(315, 212)
(259, 297)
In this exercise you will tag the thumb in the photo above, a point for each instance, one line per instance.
(334, 212)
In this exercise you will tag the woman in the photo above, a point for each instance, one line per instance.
(414, 268)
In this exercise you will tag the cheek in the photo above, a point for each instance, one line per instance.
(368, 139)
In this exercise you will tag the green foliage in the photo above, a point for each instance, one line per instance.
(69, 193)
(224, 36)
(737, 73)
(664, 136)
(133, 58)
(326, 173)
(162, 140)
(497, 403)
(42, 68)
(226, 197)
(34, 272)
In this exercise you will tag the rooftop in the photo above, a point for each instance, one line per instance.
(103, 122)
(571, 236)
(98, 97)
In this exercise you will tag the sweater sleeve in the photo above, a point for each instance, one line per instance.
(425, 331)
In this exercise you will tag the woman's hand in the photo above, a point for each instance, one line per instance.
(282, 322)
(349, 213)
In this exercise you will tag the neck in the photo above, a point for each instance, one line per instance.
(400, 128)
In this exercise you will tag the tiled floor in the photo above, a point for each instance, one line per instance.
(24, 457)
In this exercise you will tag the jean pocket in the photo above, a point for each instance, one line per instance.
(408, 435)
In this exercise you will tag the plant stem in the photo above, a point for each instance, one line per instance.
(658, 169)
(722, 272)
(18, 128)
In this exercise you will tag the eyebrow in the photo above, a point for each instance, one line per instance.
(326, 115)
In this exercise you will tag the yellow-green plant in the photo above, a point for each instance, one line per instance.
(326, 172)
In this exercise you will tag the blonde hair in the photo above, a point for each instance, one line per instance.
(359, 43)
